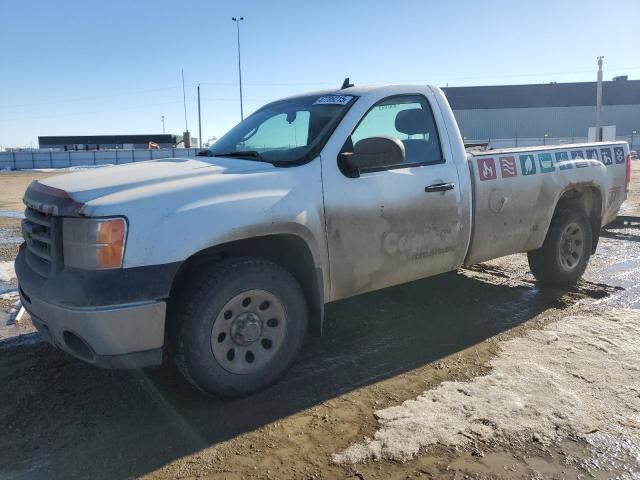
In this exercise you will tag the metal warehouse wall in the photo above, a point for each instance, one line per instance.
(538, 121)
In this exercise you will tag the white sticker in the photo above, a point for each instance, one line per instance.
(333, 100)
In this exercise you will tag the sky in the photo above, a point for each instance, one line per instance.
(87, 67)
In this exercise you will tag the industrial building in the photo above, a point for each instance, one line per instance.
(107, 142)
(554, 111)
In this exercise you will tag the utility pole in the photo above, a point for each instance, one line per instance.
(162, 118)
(238, 20)
(199, 121)
(186, 137)
(599, 102)
(184, 103)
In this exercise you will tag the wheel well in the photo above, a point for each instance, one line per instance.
(289, 251)
(588, 199)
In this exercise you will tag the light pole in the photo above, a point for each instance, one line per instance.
(599, 102)
(162, 124)
(238, 20)
(199, 121)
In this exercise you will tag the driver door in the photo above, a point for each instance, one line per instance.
(394, 224)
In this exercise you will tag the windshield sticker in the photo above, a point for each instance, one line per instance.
(333, 100)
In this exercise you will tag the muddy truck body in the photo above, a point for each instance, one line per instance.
(221, 261)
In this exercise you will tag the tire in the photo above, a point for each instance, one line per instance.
(237, 326)
(565, 253)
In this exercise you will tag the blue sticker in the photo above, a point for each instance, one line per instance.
(605, 153)
(592, 154)
(528, 165)
(578, 155)
(562, 160)
(546, 164)
(618, 154)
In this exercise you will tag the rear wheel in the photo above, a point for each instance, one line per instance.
(564, 256)
(239, 325)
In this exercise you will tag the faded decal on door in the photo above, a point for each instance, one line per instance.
(618, 154)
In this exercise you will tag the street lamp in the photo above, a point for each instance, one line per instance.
(238, 20)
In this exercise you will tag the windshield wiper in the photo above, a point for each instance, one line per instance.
(252, 154)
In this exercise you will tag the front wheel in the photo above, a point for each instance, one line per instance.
(239, 326)
(565, 253)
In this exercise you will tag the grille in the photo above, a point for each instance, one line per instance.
(38, 232)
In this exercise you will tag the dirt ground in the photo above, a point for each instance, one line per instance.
(61, 418)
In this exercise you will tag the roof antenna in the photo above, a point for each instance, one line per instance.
(346, 84)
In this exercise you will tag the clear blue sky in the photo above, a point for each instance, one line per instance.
(113, 67)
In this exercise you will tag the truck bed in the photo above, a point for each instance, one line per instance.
(516, 191)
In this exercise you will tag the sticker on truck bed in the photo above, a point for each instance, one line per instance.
(528, 165)
(333, 100)
(592, 154)
(605, 153)
(562, 160)
(547, 162)
(508, 167)
(487, 169)
(578, 155)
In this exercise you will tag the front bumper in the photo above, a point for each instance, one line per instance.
(112, 319)
(118, 336)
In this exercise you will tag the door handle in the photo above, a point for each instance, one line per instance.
(439, 187)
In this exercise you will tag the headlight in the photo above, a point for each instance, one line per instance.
(94, 243)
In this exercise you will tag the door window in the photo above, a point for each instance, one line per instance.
(407, 118)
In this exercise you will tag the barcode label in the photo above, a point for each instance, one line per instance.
(333, 100)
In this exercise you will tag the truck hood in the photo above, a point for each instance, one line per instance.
(91, 184)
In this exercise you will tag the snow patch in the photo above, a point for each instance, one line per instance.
(7, 272)
(579, 376)
(11, 214)
(7, 277)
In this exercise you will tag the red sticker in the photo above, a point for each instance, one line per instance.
(487, 168)
(508, 167)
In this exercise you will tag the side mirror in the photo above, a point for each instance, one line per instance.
(373, 152)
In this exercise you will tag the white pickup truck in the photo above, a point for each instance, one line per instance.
(223, 259)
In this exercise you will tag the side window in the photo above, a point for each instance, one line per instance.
(280, 132)
(407, 118)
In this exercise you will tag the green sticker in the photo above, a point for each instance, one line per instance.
(528, 165)
(546, 163)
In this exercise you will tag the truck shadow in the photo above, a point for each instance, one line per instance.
(63, 419)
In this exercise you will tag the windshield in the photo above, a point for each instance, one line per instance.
(286, 132)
